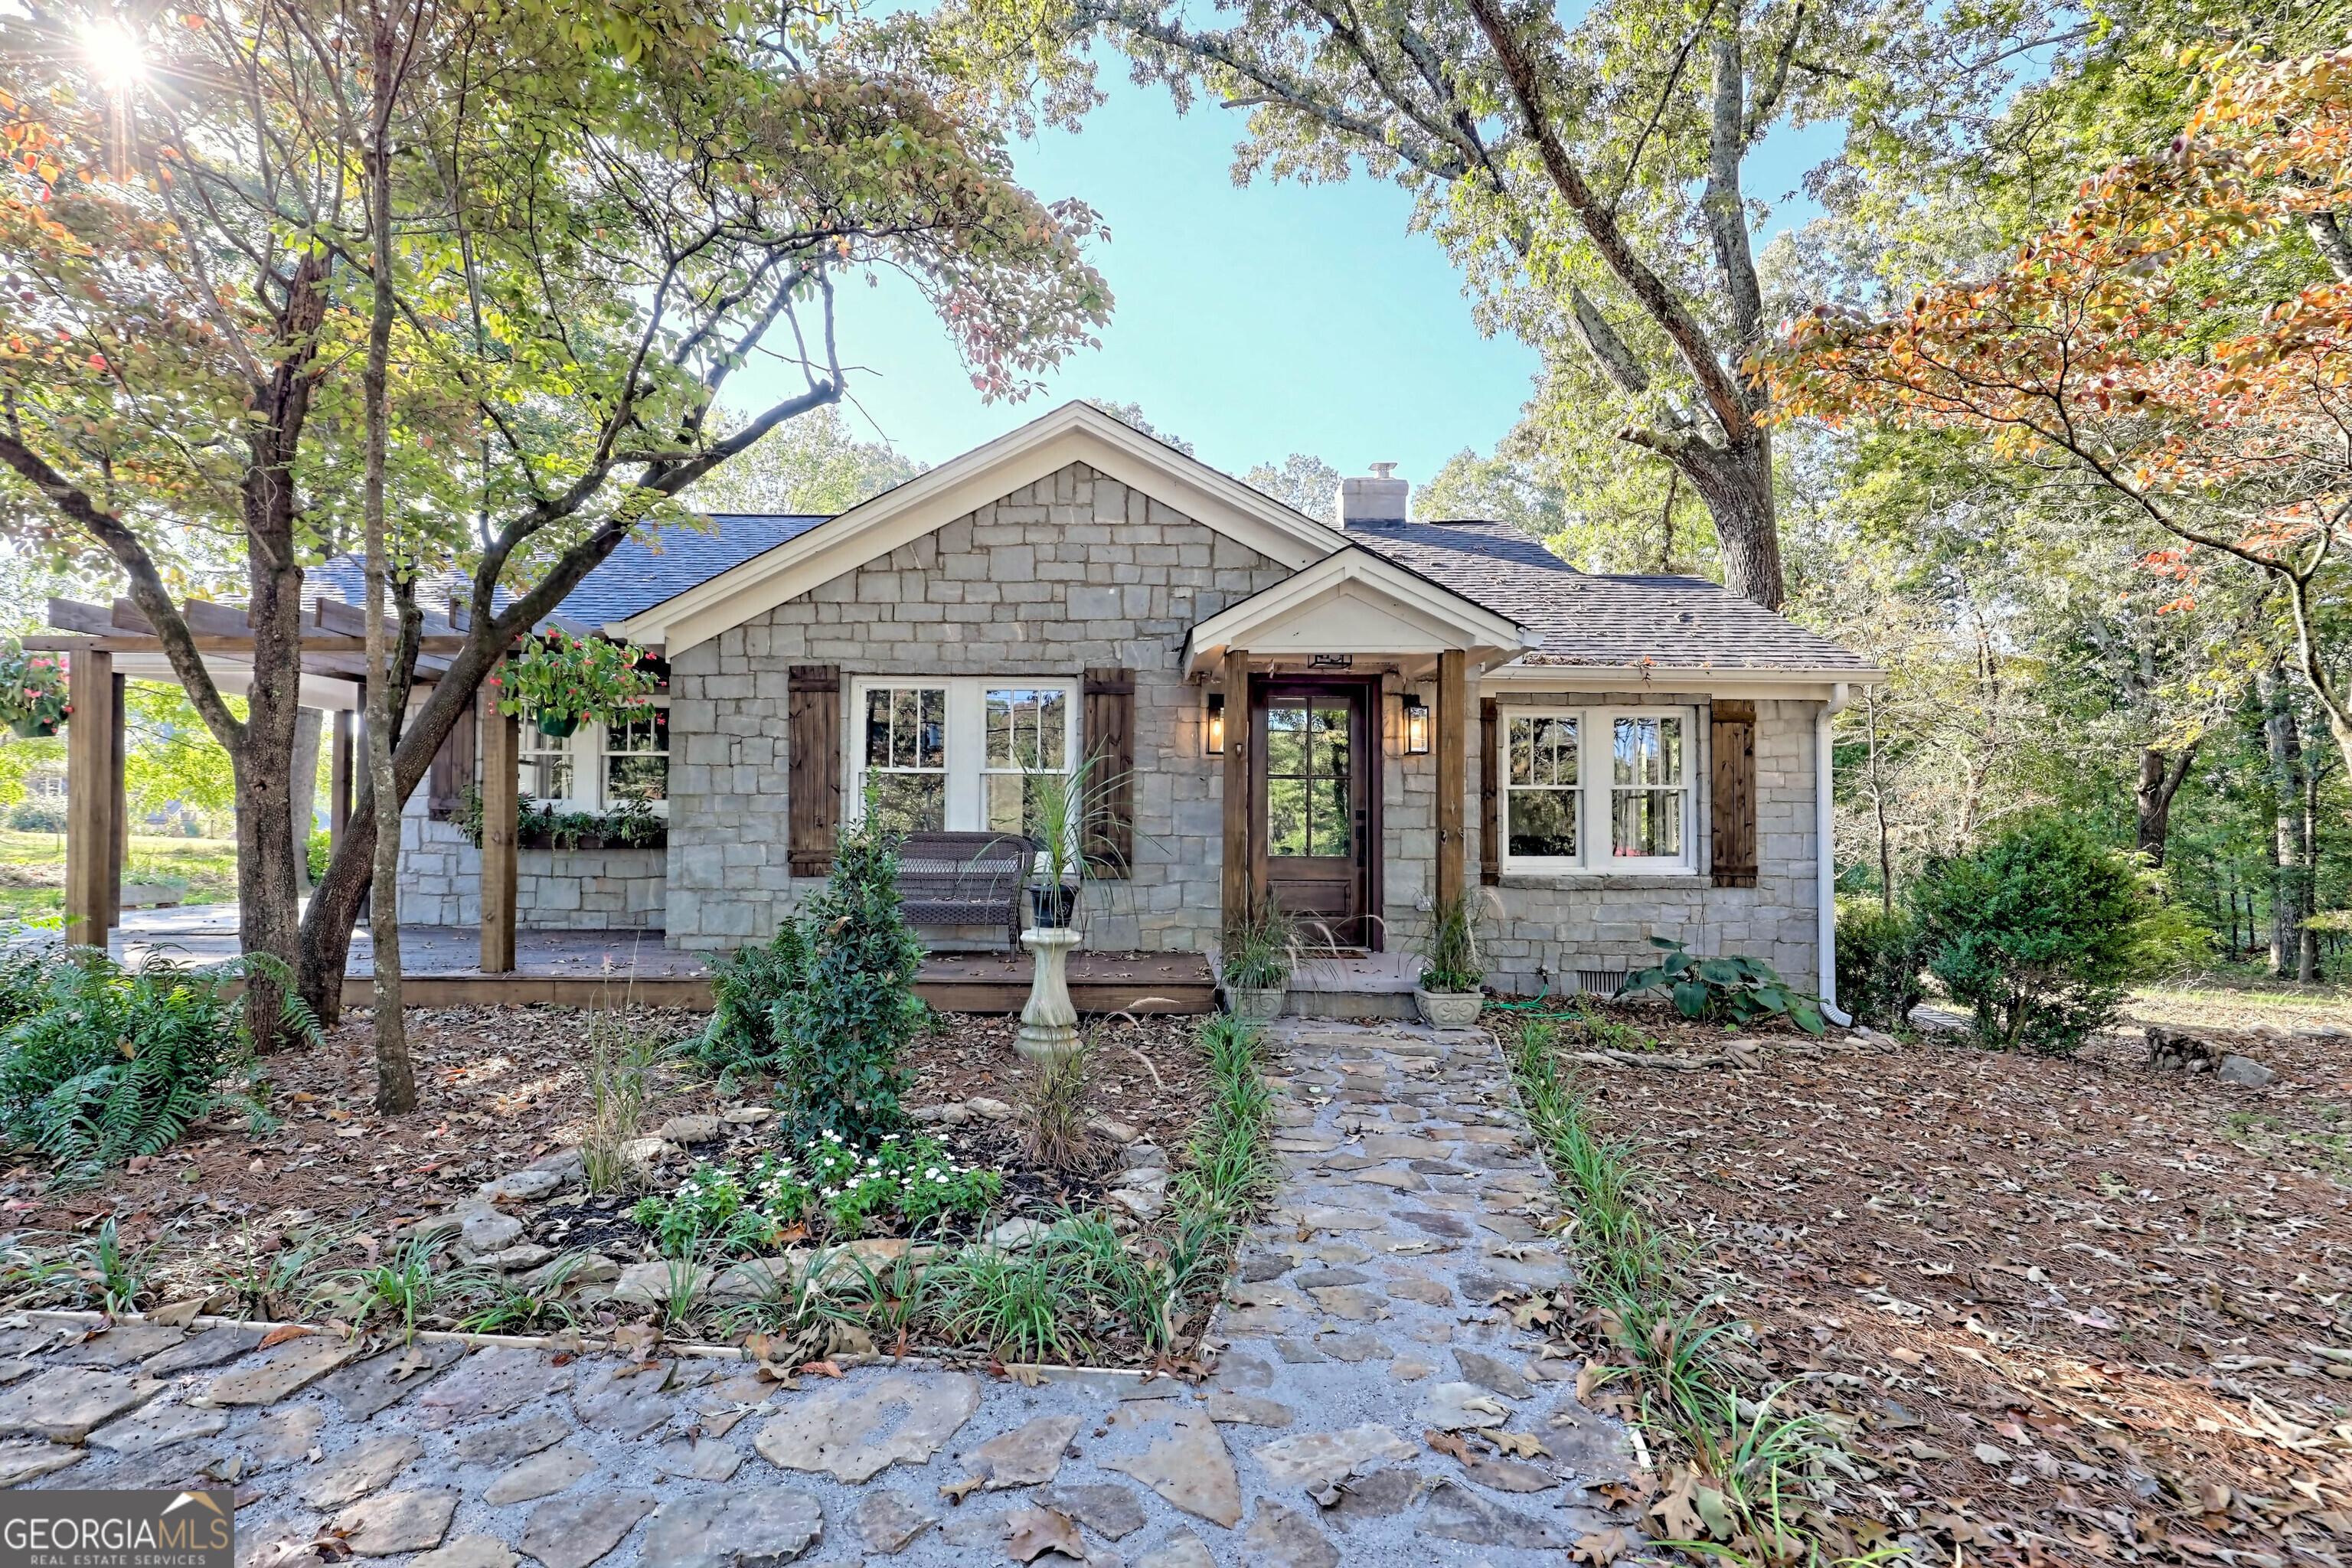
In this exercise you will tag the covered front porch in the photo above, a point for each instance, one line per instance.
(1312, 688)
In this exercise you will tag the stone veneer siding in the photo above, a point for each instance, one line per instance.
(555, 890)
(1074, 571)
(1549, 927)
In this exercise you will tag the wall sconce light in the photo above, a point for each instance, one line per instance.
(1416, 726)
(1214, 725)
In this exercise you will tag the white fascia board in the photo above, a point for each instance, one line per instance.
(1447, 619)
(1793, 684)
(1072, 434)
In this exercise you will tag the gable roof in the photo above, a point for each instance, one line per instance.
(1073, 433)
(1356, 601)
(1652, 623)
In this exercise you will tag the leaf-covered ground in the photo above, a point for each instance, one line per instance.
(2075, 1309)
(497, 1086)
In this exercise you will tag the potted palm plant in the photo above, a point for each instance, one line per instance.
(1255, 960)
(1065, 814)
(33, 694)
(1447, 994)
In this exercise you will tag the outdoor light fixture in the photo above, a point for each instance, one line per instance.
(1416, 726)
(1215, 725)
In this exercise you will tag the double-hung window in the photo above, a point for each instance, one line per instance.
(1597, 789)
(957, 754)
(599, 766)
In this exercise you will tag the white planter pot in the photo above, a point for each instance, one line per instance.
(1448, 1009)
(1256, 1004)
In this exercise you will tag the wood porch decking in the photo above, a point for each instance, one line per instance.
(591, 968)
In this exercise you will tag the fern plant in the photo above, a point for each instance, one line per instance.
(112, 1063)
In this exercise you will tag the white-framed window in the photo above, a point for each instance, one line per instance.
(598, 766)
(1598, 789)
(949, 753)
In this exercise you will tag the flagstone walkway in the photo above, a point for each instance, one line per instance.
(1360, 1325)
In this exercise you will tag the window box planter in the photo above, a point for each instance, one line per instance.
(1448, 1009)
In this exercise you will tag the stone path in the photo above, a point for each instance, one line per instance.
(1360, 1323)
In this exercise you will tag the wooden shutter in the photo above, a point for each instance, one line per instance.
(452, 769)
(1732, 740)
(814, 718)
(1109, 725)
(1490, 789)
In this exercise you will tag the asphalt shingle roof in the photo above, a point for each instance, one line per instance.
(1597, 620)
(638, 575)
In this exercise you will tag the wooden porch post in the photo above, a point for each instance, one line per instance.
(119, 792)
(1237, 889)
(1452, 770)
(339, 782)
(89, 797)
(499, 782)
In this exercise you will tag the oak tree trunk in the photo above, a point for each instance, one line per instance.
(2161, 776)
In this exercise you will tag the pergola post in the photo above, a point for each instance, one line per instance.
(119, 790)
(1452, 770)
(500, 744)
(1238, 892)
(338, 783)
(89, 798)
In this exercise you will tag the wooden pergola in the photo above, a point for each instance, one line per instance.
(109, 645)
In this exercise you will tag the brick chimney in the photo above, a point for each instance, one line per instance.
(1379, 499)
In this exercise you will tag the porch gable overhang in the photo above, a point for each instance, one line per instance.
(1075, 433)
(1359, 603)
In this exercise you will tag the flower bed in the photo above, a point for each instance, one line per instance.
(904, 1187)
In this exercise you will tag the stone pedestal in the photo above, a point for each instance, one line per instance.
(1049, 1022)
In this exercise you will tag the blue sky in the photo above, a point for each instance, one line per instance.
(1253, 322)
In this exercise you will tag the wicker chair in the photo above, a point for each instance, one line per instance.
(964, 879)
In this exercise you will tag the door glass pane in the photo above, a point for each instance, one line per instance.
(1310, 791)
(1285, 740)
(1543, 822)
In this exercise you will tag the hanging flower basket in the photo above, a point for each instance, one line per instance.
(33, 693)
(562, 681)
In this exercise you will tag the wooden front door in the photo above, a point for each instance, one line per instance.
(1315, 815)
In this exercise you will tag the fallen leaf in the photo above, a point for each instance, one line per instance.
(956, 1491)
(1447, 1443)
(821, 1368)
(1037, 1530)
(1601, 1548)
(1523, 1445)
(284, 1331)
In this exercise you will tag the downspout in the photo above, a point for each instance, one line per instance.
(1824, 860)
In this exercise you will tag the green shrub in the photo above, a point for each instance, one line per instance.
(1741, 991)
(112, 1065)
(37, 816)
(839, 1036)
(2037, 932)
(747, 986)
(1880, 963)
(317, 850)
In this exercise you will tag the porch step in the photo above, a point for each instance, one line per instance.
(1373, 985)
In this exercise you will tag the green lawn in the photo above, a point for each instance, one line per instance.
(32, 869)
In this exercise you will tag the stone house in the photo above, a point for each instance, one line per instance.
(1359, 714)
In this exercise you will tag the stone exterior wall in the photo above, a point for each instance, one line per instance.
(555, 890)
(1551, 926)
(1072, 571)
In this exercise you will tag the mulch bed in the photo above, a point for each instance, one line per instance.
(498, 1087)
(2068, 1309)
